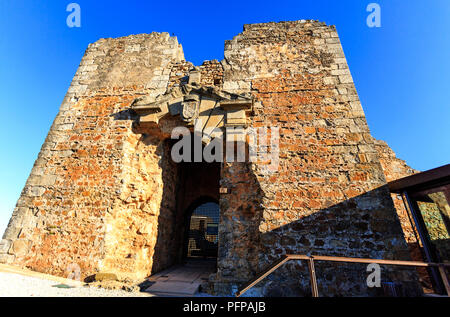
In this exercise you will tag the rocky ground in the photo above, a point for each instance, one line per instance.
(17, 285)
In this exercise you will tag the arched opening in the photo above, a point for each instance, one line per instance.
(186, 246)
(188, 224)
(198, 209)
(203, 231)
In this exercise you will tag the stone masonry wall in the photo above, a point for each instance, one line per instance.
(102, 192)
(95, 190)
(329, 195)
(393, 169)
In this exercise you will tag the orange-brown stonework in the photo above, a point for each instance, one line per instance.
(104, 193)
(395, 168)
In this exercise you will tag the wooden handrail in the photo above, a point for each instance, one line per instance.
(263, 274)
(362, 260)
(312, 258)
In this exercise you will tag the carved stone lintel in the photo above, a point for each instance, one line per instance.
(215, 107)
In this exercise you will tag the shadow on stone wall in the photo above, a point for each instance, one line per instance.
(363, 226)
(165, 245)
(241, 212)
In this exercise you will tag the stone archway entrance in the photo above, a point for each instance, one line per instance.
(196, 233)
(198, 209)
(209, 113)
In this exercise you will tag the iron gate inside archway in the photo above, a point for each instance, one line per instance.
(203, 231)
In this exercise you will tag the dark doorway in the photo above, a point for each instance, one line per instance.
(186, 187)
(198, 209)
(203, 231)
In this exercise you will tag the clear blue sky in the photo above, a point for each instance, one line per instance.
(401, 70)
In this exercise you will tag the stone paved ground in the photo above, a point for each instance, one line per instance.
(16, 285)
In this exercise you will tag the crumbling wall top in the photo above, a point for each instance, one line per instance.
(285, 25)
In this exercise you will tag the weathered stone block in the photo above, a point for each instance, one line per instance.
(36, 191)
(105, 276)
(7, 258)
(5, 244)
(20, 247)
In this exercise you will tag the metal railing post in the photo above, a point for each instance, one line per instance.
(312, 275)
(426, 247)
(312, 271)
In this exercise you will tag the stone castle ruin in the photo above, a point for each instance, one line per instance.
(105, 194)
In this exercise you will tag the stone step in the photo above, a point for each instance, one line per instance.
(174, 288)
(181, 280)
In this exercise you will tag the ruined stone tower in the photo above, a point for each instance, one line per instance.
(104, 193)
